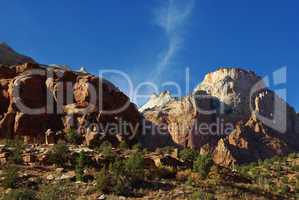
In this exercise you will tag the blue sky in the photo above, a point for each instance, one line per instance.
(156, 40)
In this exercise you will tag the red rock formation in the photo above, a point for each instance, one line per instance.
(63, 99)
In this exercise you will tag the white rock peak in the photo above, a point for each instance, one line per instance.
(157, 100)
(232, 86)
(83, 70)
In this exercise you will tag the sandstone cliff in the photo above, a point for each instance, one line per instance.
(232, 115)
(62, 97)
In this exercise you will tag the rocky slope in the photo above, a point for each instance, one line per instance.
(10, 57)
(240, 127)
(63, 99)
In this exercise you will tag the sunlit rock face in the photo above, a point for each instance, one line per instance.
(245, 120)
(233, 88)
(63, 98)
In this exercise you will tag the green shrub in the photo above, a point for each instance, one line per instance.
(203, 164)
(188, 155)
(102, 180)
(199, 195)
(122, 175)
(73, 137)
(164, 172)
(81, 162)
(10, 177)
(209, 196)
(253, 172)
(196, 195)
(20, 194)
(123, 145)
(284, 189)
(17, 147)
(57, 191)
(59, 155)
(117, 168)
(285, 179)
(137, 146)
(121, 188)
(134, 167)
(106, 150)
(190, 181)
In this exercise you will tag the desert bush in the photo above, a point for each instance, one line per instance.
(102, 180)
(209, 196)
(285, 179)
(253, 172)
(188, 155)
(121, 187)
(284, 189)
(196, 195)
(59, 155)
(57, 191)
(20, 194)
(17, 146)
(116, 168)
(73, 137)
(10, 177)
(165, 172)
(267, 163)
(201, 195)
(81, 162)
(203, 164)
(137, 146)
(134, 167)
(122, 176)
(106, 150)
(113, 181)
(123, 145)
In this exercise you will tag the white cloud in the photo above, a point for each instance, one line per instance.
(172, 18)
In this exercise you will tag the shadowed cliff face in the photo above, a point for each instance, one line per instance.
(224, 117)
(10, 57)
